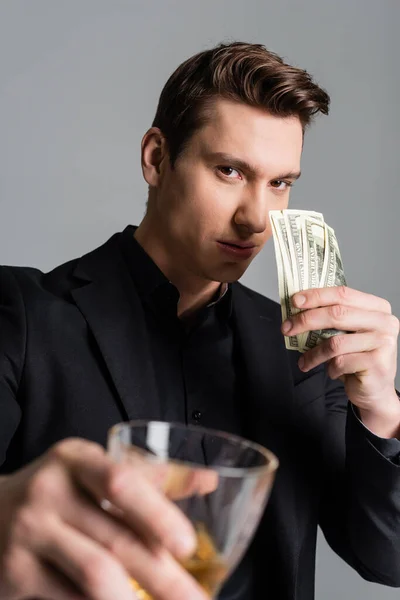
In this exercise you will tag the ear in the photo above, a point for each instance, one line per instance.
(154, 155)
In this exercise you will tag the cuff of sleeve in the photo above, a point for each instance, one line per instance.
(389, 448)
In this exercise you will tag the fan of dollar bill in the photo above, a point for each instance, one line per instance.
(307, 256)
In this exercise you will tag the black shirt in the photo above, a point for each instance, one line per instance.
(193, 363)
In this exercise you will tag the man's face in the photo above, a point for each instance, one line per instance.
(234, 170)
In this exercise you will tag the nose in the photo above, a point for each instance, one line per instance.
(252, 212)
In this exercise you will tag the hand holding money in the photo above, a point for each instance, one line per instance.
(365, 358)
(307, 256)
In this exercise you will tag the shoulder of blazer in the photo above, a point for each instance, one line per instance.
(63, 278)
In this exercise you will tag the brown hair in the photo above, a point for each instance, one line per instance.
(242, 72)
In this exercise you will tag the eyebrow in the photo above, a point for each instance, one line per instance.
(243, 165)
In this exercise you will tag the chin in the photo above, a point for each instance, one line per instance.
(228, 275)
(234, 279)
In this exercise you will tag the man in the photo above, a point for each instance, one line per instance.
(153, 324)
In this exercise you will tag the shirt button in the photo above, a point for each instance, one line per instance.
(196, 415)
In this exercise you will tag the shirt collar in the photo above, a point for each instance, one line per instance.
(147, 276)
(221, 292)
(151, 283)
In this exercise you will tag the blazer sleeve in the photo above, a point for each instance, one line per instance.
(360, 502)
(12, 352)
(389, 448)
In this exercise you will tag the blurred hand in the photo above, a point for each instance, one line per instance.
(56, 542)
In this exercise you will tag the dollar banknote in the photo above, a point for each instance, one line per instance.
(307, 256)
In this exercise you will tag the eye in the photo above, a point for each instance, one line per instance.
(228, 171)
(280, 185)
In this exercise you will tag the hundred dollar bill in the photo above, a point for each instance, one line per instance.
(286, 287)
(314, 240)
(293, 223)
(309, 257)
(298, 269)
(332, 274)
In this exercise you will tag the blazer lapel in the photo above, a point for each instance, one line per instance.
(269, 402)
(113, 311)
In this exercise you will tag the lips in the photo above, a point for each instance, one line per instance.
(237, 250)
(237, 244)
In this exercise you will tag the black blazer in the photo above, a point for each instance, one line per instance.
(75, 359)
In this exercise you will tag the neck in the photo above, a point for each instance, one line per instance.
(194, 291)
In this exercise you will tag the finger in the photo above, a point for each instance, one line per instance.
(89, 566)
(343, 318)
(27, 578)
(339, 345)
(176, 480)
(140, 560)
(350, 364)
(183, 481)
(145, 509)
(340, 295)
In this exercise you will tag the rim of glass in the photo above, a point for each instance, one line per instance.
(271, 466)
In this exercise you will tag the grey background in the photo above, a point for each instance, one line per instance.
(79, 83)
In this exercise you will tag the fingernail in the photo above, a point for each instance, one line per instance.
(184, 545)
(299, 300)
(301, 362)
(287, 326)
